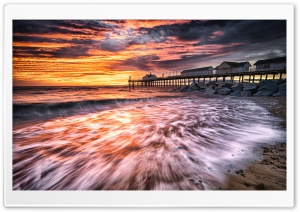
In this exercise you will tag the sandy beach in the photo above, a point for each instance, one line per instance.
(270, 173)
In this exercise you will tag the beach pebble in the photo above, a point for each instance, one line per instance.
(235, 93)
(224, 91)
(236, 87)
(249, 86)
(184, 89)
(213, 83)
(246, 184)
(281, 81)
(210, 91)
(260, 186)
(264, 93)
(202, 85)
(268, 85)
(245, 93)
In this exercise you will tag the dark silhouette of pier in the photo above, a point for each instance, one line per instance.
(178, 81)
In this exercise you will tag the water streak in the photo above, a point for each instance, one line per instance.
(167, 144)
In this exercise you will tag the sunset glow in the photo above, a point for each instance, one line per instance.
(107, 52)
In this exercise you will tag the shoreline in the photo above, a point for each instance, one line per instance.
(270, 173)
(266, 174)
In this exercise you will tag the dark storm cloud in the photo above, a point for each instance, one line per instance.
(184, 62)
(195, 56)
(227, 39)
(116, 45)
(191, 31)
(195, 30)
(202, 31)
(57, 26)
(71, 52)
(20, 51)
(248, 31)
(141, 62)
(36, 39)
(65, 52)
(88, 24)
(253, 40)
(255, 51)
(42, 27)
(81, 41)
(233, 31)
(151, 62)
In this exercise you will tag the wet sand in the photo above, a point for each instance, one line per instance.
(270, 173)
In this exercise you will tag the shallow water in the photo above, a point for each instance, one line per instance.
(175, 143)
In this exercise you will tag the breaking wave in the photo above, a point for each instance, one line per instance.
(162, 144)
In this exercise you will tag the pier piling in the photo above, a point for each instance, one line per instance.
(179, 80)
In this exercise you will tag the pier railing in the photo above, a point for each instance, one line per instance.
(178, 80)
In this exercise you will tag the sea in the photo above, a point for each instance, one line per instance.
(113, 138)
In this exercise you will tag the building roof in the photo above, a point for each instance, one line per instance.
(196, 69)
(272, 60)
(149, 76)
(235, 64)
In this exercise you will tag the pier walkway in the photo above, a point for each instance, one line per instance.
(177, 81)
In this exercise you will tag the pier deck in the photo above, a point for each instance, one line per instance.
(177, 81)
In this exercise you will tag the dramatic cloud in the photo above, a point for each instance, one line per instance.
(79, 52)
(113, 45)
(68, 27)
(140, 62)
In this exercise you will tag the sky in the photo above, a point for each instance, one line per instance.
(107, 52)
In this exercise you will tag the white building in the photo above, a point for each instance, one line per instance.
(278, 63)
(197, 71)
(149, 77)
(232, 67)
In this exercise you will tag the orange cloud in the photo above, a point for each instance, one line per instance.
(151, 23)
(107, 52)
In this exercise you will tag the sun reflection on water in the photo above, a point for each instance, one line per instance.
(164, 145)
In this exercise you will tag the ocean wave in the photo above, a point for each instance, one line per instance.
(171, 144)
(44, 110)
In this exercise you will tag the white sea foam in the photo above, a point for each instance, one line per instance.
(178, 143)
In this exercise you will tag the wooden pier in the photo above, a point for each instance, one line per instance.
(178, 81)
